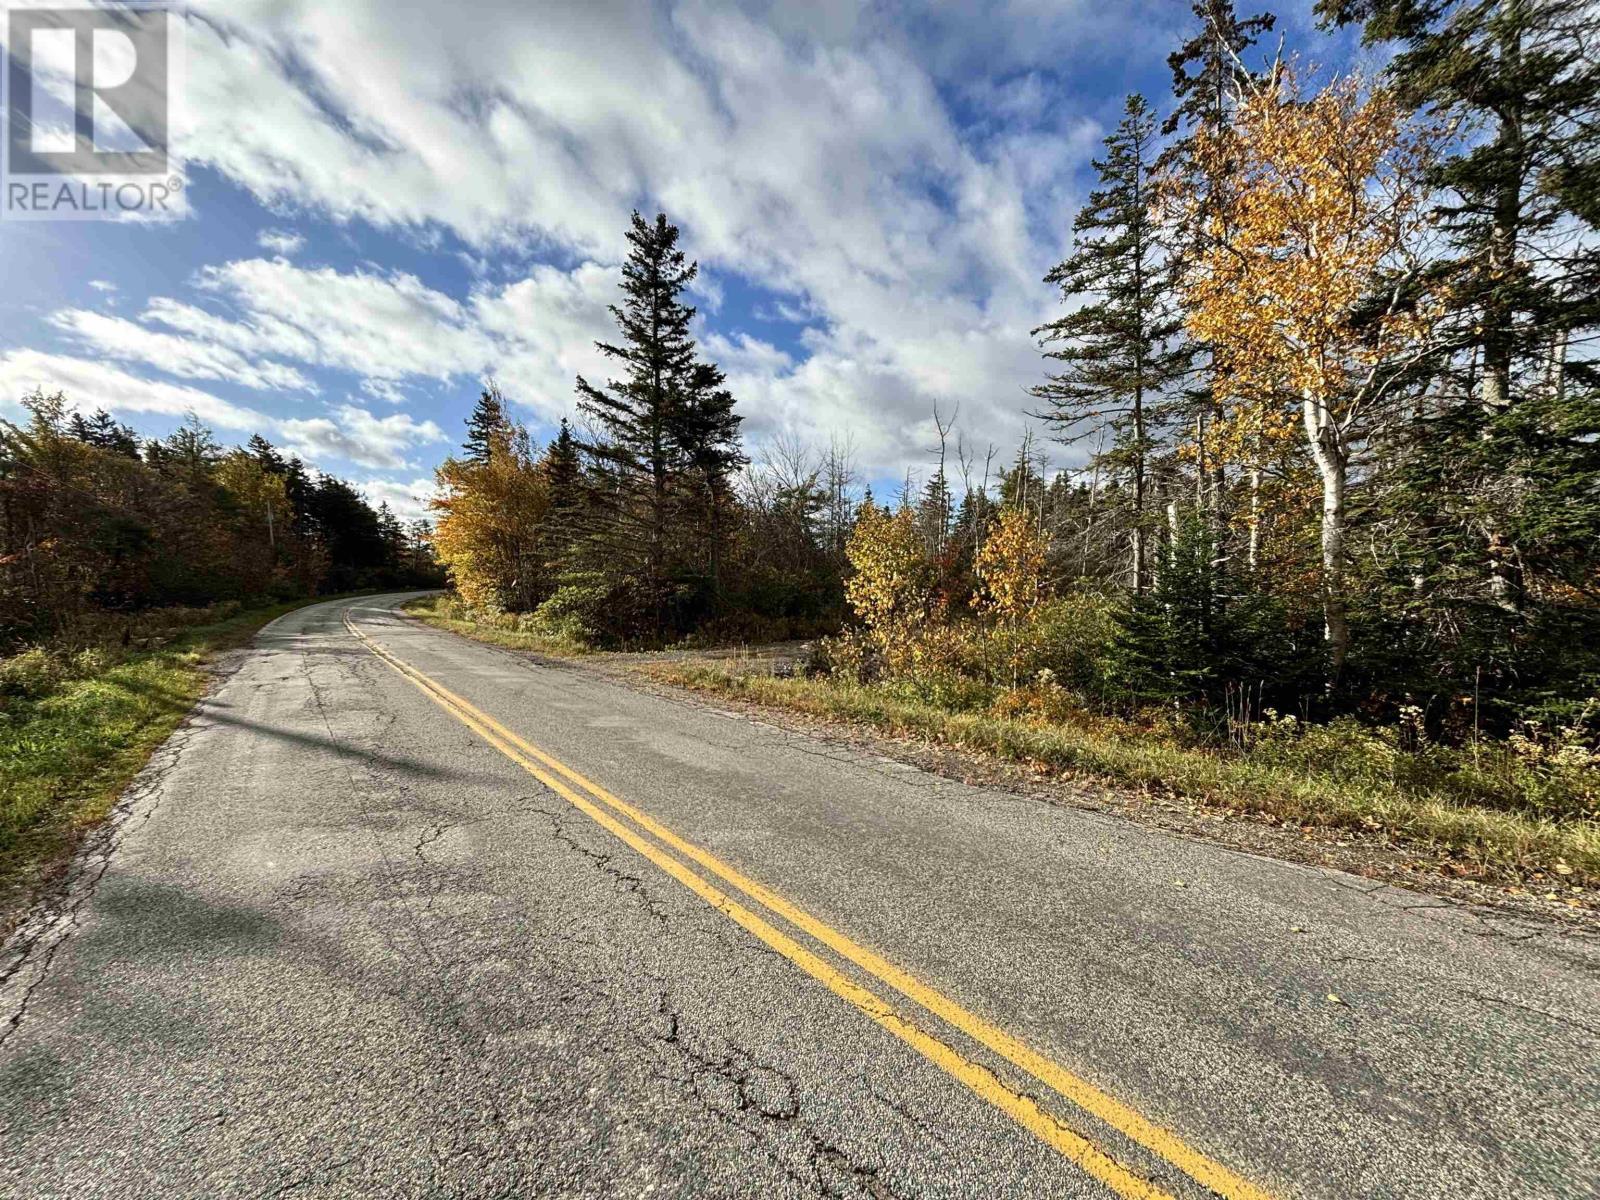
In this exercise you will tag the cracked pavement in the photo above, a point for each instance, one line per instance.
(334, 944)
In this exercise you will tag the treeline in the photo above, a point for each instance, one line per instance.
(1327, 361)
(94, 520)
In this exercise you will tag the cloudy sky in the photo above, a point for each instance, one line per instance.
(390, 201)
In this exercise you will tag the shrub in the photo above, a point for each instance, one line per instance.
(891, 585)
(575, 611)
(31, 674)
(1068, 637)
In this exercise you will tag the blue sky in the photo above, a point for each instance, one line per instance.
(391, 201)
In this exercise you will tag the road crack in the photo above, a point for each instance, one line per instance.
(604, 861)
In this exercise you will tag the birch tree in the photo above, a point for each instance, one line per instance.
(1311, 280)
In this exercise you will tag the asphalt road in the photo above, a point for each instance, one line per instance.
(346, 941)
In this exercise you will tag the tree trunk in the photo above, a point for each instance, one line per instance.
(1254, 549)
(1333, 466)
(1498, 348)
(1140, 558)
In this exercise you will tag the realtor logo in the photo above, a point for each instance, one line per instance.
(89, 105)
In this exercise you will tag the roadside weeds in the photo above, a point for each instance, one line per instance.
(436, 610)
(1526, 856)
(67, 755)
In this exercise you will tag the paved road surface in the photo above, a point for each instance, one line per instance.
(351, 944)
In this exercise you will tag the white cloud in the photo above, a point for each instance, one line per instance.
(381, 326)
(281, 242)
(103, 285)
(811, 153)
(349, 433)
(408, 499)
(897, 187)
(385, 390)
(190, 358)
(355, 435)
(92, 385)
(533, 335)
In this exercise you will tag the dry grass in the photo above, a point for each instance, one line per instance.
(1503, 842)
(448, 613)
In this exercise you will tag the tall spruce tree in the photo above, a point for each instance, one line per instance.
(667, 425)
(1121, 351)
(564, 469)
(1522, 207)
(487, 425)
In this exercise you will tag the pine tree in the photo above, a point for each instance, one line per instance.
(1121, 351)
(266, 454)
(564, 470)
(1208, 71)
(103, 432)
(488, 425)
(706, 434)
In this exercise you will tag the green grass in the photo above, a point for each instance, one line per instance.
(75, 728)
(1501, 843)
(447, 612)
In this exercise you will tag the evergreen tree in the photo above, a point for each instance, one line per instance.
(1120, 351)
(668, 431)
(564, 468)
(1208, 72)
(488, 425)
(266, 454)
(705, 433)
(103, 432)
(1523, 202)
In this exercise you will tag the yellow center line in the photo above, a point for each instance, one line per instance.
(1022, 1109)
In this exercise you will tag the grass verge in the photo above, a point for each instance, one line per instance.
(69, 748)
(444, 611)
(1499, 842)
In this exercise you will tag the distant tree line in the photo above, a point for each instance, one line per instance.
(94, 519)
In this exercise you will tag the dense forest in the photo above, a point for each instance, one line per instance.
(97, 524)
(1324, 355)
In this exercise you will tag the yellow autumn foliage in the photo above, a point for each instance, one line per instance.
(488, 525)
(890, 586)
(1325, 199)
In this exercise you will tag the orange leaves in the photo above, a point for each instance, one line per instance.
(1010, 566)
(489, 526)
(1322, 200)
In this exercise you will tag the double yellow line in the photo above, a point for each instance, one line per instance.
(588, 797)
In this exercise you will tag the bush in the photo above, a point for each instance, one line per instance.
(34, 673)
(575, 611)
(1067, 636)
